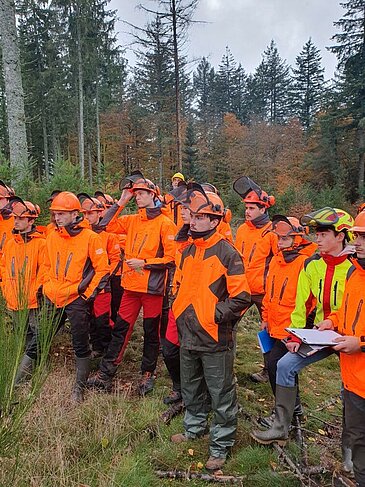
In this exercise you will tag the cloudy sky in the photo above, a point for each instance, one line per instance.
(247, 27)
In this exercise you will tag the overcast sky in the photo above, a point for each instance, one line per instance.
(247, 27)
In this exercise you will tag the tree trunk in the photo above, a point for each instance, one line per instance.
(13, 87)
(45, 147)
(98, 152)
(90, 164)
(81, 98)
(361, 135)
(177, 85)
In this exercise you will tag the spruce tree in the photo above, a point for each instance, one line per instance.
(308, 84)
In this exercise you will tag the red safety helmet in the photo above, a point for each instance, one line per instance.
(65, 201)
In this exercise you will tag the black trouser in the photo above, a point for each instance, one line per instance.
(354, 406)
(117, 293)
(171, 356)
(78, 314)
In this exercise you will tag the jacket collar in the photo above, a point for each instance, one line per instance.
(74, 228)
(28, 236)
(208, 241)
(260, 221)
(149, 213)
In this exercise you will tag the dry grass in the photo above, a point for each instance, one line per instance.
(117, 440)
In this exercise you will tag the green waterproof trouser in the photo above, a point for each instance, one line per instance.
(208, 384)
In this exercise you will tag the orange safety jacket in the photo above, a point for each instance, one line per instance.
(257, 245)
(150, 237)
(6, 229)
(350, 320)
(22, 269)
(172, 210)
(76, 264)
(111, 245)
(224, 228)
(212, 296)
(281, 287)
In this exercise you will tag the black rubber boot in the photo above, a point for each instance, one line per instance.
(25, 369)
(284, 408)
(82, 374)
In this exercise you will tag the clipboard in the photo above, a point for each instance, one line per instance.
(309, 336)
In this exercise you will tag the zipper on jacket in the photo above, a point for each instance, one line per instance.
(57, 264)
(252, 252)
(335, 294)
(283, 289)
(345, 316)
(13, 267)
(68, 262)
(142, 243)
(272, 287)
(357, 316)
(320, 291)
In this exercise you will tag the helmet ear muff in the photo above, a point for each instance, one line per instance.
(271, 200)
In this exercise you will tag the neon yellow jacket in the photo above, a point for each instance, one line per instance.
(322, 279)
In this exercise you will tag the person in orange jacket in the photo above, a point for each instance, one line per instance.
(116, 276)
(349, 321)
(76, 270)
(149, 252)
(256, 244)
(211, 298)
(22, 273)
(100, 325)
(281, 285)
(6, 218)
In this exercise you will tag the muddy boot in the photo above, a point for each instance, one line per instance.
(267, 421)
(215, 463)
(25, 369)
(146, 383)
(284, 408)
(174, 396)
(82, 374)
(260, 377)
(174, 410)
(101, 381)
(347, 465)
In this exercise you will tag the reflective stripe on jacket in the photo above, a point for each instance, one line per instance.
(257, 245)
(322, 278)
(212, 296)
(76, 265)
(350, 320)
(22, 270)
(281, 288)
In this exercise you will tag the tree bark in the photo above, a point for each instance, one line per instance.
(13, 88)
(361, 136)
(81, 98)
(177, 84)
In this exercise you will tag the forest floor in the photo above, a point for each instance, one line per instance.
(118, 439)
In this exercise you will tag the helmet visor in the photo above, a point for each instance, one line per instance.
(245, 185)
(128, 181)
(325, 217)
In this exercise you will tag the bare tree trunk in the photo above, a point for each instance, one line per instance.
(361, 135)
(90, 163)
(45, 147)
(81, 99)
(13, 86)
(98, 152)
(177, 85)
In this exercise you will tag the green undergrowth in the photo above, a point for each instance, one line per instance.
(117, 439)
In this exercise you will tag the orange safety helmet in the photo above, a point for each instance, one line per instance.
(251, 192)
(65, 201)
(285, 226)
(361, 208)
(146, 185)
(6, 191)
(359, 224)
(23, 209)
(90, 204)
(201, 202)
(104, 198)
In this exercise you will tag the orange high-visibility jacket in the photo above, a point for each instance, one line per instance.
(150, 237)
(281, 287)
(257, 245)
(22, 269)
(224, 228)
(76, 264)
(212, 296)
(111, 245)
(6, 229)
(350, 320)
(172, 210)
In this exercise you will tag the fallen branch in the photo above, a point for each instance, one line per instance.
(325, 404)
(324, 422)
(205, 477)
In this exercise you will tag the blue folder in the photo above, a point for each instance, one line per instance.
(265, 341)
